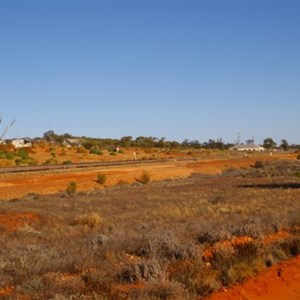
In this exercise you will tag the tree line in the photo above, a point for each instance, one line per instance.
(154, 142)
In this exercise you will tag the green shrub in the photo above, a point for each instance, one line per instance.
(10, 155)
(145, 178)
(95, 151)
(23, 154)
(67, 162)
(19, 161)
(72, 187)
(101, 178)
(2, 154)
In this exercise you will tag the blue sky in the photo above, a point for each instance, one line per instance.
(176, 69)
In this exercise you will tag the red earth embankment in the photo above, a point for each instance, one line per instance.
(279, 282)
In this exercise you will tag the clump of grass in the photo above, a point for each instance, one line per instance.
(71, 188)
(101, 178)
(91, 220)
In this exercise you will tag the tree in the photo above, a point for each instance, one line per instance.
(145, 142)
(269, 143)
(250, 141)
(284, 145)
(126, 141)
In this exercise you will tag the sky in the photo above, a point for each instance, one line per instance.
(180, 69)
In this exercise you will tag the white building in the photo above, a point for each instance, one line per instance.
(21, 143)
(247, 148)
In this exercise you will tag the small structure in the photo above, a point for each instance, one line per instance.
(247, 148)
(22, 143)
(72, 142)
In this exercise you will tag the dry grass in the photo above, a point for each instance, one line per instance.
(149, 241)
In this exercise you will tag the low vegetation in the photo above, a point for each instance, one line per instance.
(174, 239)
(101, 178)
(144, 178)
(71, 188)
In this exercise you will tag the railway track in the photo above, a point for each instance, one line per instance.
(87, 165)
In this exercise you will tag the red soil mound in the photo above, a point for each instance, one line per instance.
(280, 282)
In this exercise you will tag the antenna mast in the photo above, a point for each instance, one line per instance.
(7, 128)
(238, 138)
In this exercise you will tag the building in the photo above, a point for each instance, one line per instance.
(72, 142)
(247, 148)
(21, 143)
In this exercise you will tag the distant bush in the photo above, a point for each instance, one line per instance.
(67, 162)
(91, 220)
(95, 151)
(72, 187)
(51, 161)
(82, 150)
(19, 161)
(101, 178)
(31, 161)
(145, 178)
(10, 155)
(23, 154)
(2, 154)
(258, 164)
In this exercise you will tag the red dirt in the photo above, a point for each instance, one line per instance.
(280, 282)
(126, 288)
(10, 222)
(6, 292)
